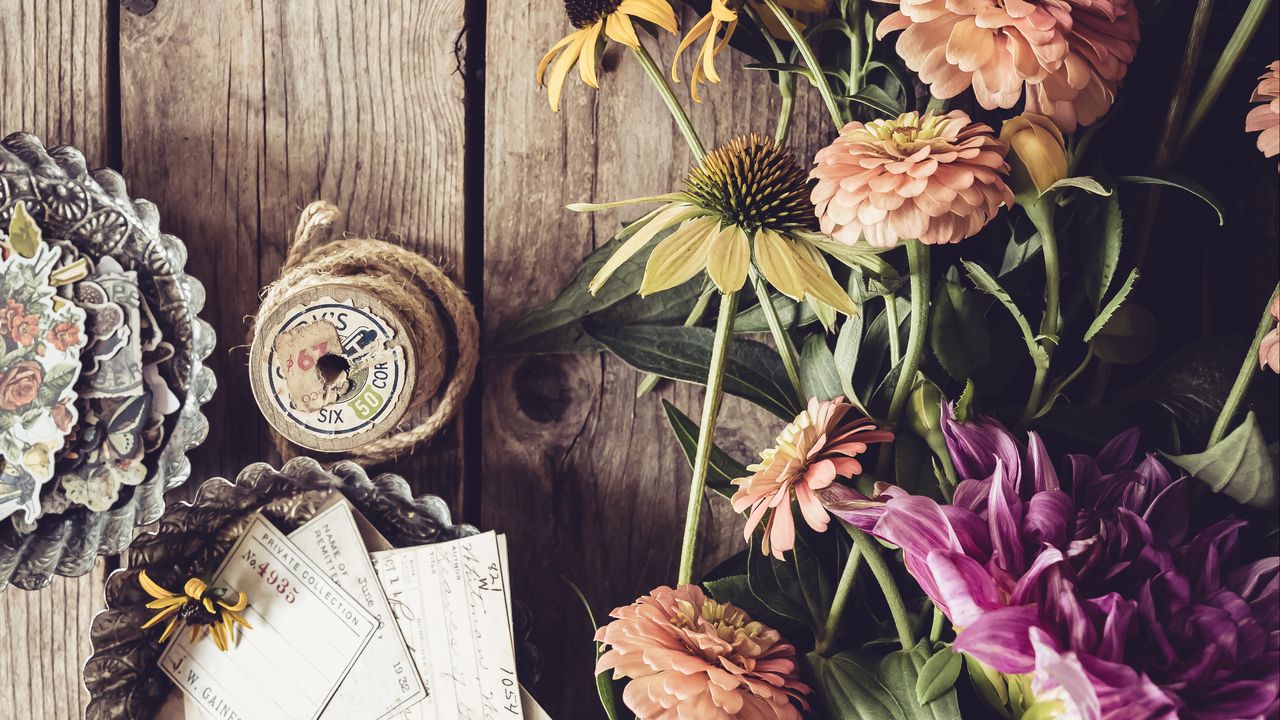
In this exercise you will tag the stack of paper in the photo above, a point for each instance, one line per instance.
(345, 627)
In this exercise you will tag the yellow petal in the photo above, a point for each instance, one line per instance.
(166, 602)
(818, 282)
(723, 12)
(546, 59)
(562, 67)
(195, 588)
(680, 256)
(777, 263)
(618, 28)
(657, 12)
(152, 589)
(216, 632)
(155, 620)
(697, 31)
(729, 259)
(587, 64)
(239, 619)
(168, 629)
(669, 216)
(241, 603)
(195, 633)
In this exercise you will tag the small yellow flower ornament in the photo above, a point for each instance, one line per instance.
(215, 610)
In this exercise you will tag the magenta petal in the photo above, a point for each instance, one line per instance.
(1004, 515)
(851, 506)
(1043, 475)
(1118, 453)
(976, 445)
(1000, 639)
(965, 589)
(1049, 519)
(1063, 670)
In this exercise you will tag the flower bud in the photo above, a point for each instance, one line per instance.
(924, 410)
(1037, 153)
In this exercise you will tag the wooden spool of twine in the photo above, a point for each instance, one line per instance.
(348, 343)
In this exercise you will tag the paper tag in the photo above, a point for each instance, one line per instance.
(451, 602)
(335, 408)
(384, 679)
(307, 633)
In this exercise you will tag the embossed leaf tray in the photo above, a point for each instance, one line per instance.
(123, 675)
(94, 212)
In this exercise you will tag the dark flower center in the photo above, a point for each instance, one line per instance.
(585, 13)
(752, 183)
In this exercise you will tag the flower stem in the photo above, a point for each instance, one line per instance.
(673, 103)
(935, 632)
(786, 348)
(810, 61)
(710, 410)
(650, 380)
(1227, 62)
(832, 626)
(1041, 214)
(901, 620)
(891, 317)
(918, 261)
(786, 81)
(1245, 377)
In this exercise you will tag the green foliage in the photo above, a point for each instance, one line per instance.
(1240, 466)
(724, 469)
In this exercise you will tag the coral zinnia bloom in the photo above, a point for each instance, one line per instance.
(1070, 54)
(938, 178)
(823, 443)
(689, 656)
(746, 192)
(723, 16)
(1269, 352)
(1265, 118)
(613, 18)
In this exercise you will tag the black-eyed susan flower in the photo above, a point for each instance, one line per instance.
(582, 47)
(747, 195)
(716, 28)
(215, 610)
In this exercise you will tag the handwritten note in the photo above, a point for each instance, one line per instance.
(307, 633)
(451, 602)
(384, 680)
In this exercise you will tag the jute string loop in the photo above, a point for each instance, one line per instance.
(408, 284)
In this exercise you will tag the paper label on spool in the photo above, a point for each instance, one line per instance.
(335, 373)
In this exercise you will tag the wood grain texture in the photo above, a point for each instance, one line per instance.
(589, 481)
(237, 114)
(53, 75)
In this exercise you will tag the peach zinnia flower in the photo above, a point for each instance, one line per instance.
(1069, 54)
(811, 452)
(938, 178)
(689, 656)
(1265, 118)
(1269, 353)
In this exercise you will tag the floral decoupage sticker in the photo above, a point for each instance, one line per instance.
(41, 336)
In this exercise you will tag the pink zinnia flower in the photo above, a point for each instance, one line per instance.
(1069, 54)
(1265, 118)
(1269, 353)
(811, 452)
(938, 178)
(689, 656)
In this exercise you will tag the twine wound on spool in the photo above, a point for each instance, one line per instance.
(348, 343)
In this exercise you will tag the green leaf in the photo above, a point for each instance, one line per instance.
(1104, 231)
(1182, 183)
(846, 354)
(723, 468)
(988, 284)
(964, 406)
(938, 675)
(1104, 316)
(1240, 466)
(849, 689)
(878, 100)
(859, 255)
(787, 599)
(900, 674)
(1128, 337)
(604, 683)
(752, 371)
(790, 313)
(818, 375)
(990, 686)
(958, 333)
(1085, 183)
(24, 234)
(736, 590)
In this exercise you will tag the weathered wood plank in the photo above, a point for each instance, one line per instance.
(588, 480)
(53, 82)
(236, 115)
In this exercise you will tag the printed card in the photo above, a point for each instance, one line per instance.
(450, 600)
(384, 679)
(307, 633)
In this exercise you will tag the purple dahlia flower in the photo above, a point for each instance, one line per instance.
(1098, 593)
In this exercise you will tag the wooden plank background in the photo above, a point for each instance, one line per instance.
(421, 120)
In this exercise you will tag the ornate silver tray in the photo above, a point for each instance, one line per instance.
(122, 675)
(93, 212)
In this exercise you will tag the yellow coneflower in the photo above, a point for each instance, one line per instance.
(723, 16)
(582, 46)
(203, 608)
(746, 192)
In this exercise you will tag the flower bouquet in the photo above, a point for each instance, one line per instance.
(1008, 481)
